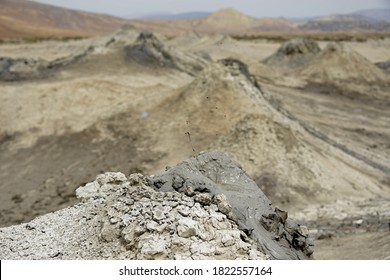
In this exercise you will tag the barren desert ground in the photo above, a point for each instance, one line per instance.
(316, 141)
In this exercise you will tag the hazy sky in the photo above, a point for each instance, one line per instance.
(258, 8)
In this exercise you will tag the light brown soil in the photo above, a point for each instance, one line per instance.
(103, 114)
(373, 246)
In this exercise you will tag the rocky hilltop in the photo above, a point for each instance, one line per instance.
(24, 18)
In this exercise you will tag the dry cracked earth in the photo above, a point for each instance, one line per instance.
(308, 121)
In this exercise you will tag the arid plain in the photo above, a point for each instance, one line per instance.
(316, 141)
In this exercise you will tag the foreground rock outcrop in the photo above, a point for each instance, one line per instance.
(122, 218)
(211, 176)
(207, 208)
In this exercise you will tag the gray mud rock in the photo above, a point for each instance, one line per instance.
(20, 69)
(212, 176)
(294, 53)
(122, 218)
(15, 69)
(384, 65)
(148, 50)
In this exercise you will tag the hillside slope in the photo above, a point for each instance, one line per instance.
(22, 18)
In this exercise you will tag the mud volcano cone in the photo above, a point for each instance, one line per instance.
(294, 53)
(150, 51)
(337, 63)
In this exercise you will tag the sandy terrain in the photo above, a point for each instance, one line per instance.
(317, 150)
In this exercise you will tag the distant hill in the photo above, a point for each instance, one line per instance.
(345, 23)
(371, 15)
(375, 15)
(232, 21)
(227, 18)
(341, 17)
(22, 18)
(189, 15)
(226, 21)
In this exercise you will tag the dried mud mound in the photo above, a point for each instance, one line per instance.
(213, 100)
(122, 218)
(126, 34)
(282, 163)
(294, 53)
(338, 64)
(225, 108)
(199, 113)
(148, 50)
(211, 177)
(20, 69)
(198, 213)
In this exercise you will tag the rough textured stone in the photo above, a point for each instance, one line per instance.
(237, 197)
(226, 217)
(187, 227)
(122, 218)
